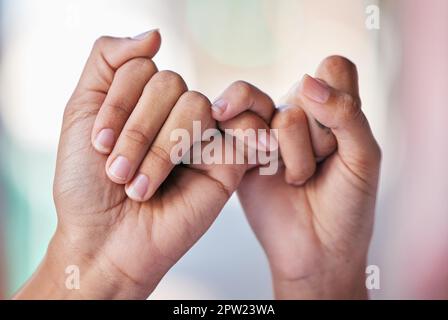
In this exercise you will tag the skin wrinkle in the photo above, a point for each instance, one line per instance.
(315, 221)
(154, 214)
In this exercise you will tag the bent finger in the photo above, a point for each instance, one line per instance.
(153, 108)
(124, 93)
(242, 96)
(191, 109)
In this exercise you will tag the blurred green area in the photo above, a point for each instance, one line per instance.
(29, 218)
(233, 32)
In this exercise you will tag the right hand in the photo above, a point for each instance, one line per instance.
(314, 221)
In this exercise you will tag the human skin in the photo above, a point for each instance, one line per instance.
(314, 221)
(122, 242)
(125, 231)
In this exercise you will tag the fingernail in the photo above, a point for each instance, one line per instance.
(219, 106)
(104, 141)
(138, 188)
(315, 89)
(144, 35)
(120, 168)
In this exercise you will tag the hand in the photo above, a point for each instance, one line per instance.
(116, 131)
(314, 221)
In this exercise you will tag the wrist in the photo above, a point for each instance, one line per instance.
(333, 283)
(65, 273)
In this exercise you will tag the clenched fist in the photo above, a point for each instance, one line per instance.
(314, 218)
(126, 212)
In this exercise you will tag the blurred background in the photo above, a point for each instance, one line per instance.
(402, 60)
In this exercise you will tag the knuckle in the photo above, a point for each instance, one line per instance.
(146, 64)
(288, 118)
(195, 98)
(350, 107)
(136, 136)
(120, 108)
(296, 115)
(242, 89)
(157, 153)
(167, 78)
(101, 42)
(142, 65)
(197, 104)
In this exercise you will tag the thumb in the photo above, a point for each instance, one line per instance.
(109, 53)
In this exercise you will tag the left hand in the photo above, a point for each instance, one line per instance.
(126, 212)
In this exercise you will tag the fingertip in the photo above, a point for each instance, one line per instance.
(294, 182)
(298, 176)
(150, 40)
(156, 39)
